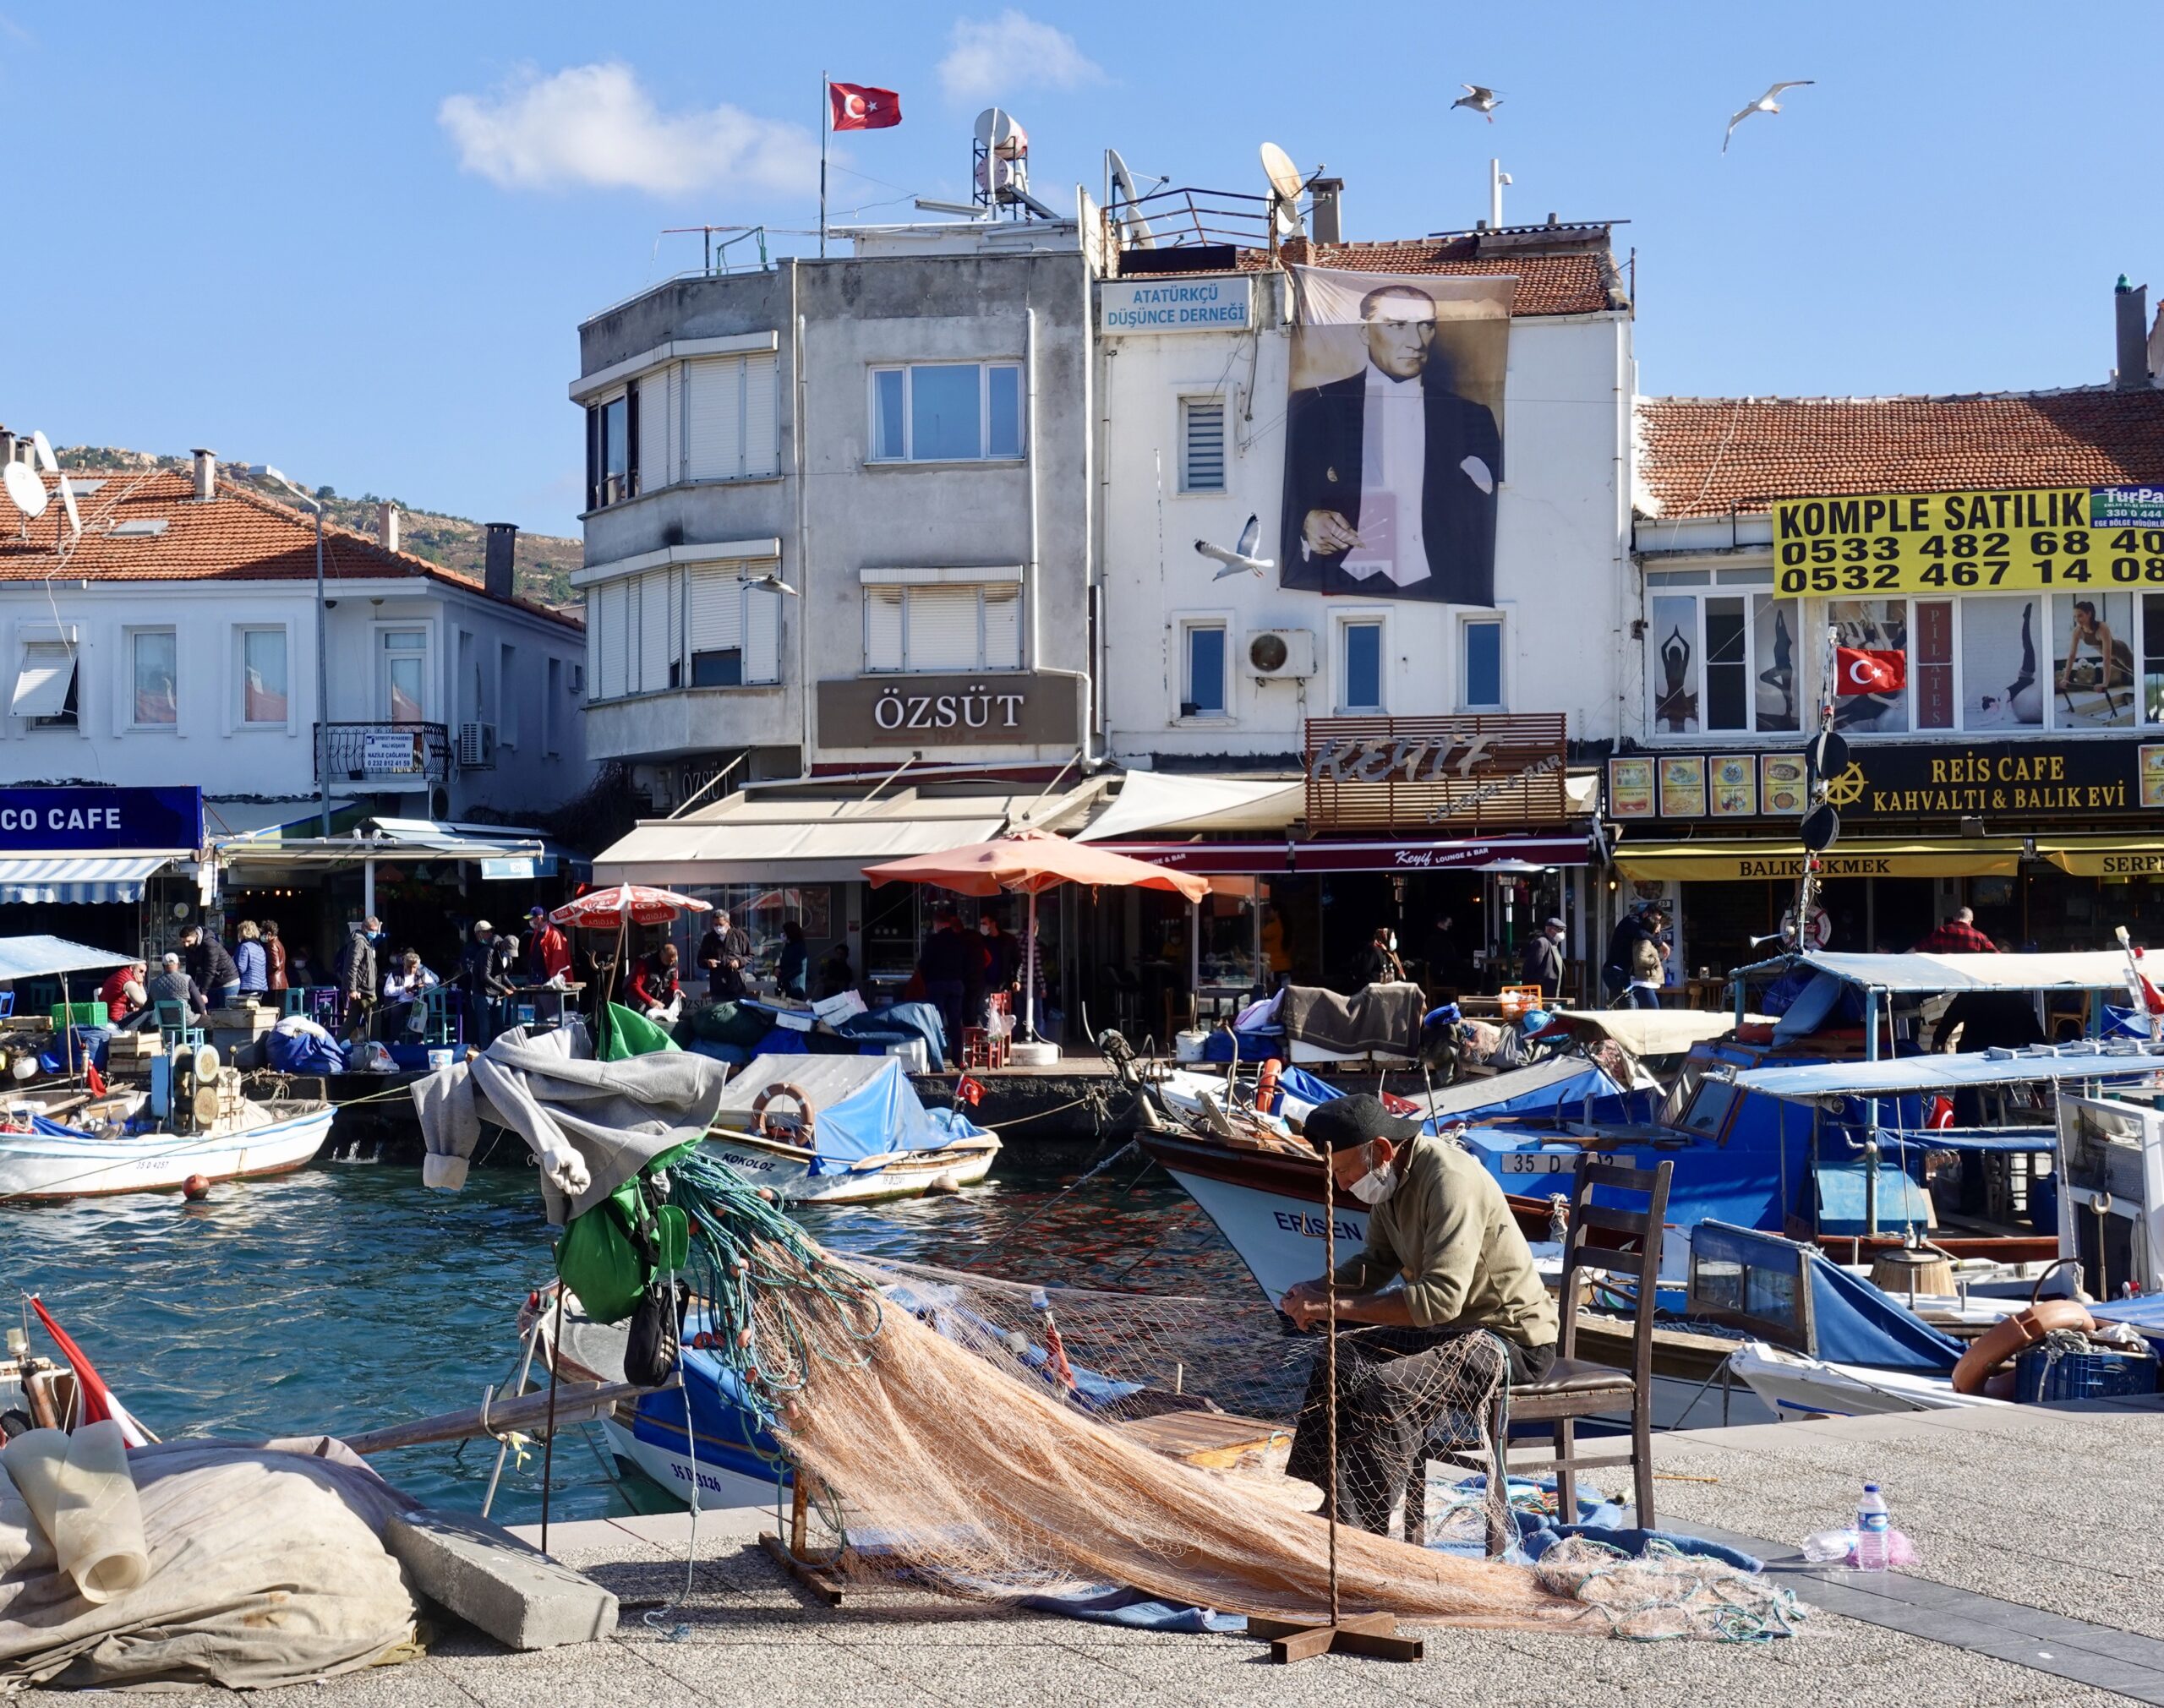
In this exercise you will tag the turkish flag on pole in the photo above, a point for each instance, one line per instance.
(856, 107)
(1858, 671)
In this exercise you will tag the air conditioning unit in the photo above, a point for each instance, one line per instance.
(477, 747)
(1282, 653)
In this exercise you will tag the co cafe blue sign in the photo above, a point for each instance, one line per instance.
(43, 821)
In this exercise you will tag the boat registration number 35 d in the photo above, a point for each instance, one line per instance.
(1539, 1161)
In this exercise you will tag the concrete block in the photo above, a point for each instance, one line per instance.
(490, 1579)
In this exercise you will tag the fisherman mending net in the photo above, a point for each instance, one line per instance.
(1444, 1301)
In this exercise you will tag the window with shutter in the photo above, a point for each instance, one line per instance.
(1002, 628)
(762, 634)
(761, 442)
(942, 629)
(1202, 444)
(883, 629)
(655, 656)
(656, 469)
(713, 418)
(610, 615)
(717, 625)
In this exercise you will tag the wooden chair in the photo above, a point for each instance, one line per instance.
(1576, 1388)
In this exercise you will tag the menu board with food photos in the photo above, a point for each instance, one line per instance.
(1732, 785)
(1630, 788)
(1683, 786)
(1783, 785)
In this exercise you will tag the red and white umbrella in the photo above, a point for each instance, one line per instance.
(622, 904)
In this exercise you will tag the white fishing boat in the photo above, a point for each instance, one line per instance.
(43, 1159)
(843, 1129)
(1793, 1383)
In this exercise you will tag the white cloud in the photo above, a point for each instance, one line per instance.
(594, 125)
(990, 56)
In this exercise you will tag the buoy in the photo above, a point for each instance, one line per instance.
(948, 1182)
(196, 1188)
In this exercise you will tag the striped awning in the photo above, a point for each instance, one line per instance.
(89, 877)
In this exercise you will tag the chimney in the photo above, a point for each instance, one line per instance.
(7, 447)
(1327, 209)
(503, 546)
(387, 525)
(2131, 304)
(207, 474)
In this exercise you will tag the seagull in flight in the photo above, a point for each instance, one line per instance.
(1242, 557)
(1483, 101)
(1765, 103)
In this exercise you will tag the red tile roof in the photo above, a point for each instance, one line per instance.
(1704, 455)
(238, 536)
(1582, 280)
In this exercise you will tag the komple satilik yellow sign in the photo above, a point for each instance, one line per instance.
(2063, 539)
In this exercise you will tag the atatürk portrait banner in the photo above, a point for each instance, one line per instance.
(1393, 434)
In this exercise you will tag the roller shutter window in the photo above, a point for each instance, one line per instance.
(654, 467)
(762, 634)
(717, 625)
(614, 615)
(942, 629)
(713, 418)
(761, 440)
(673, 582)
(1202, 444)
(883, 629)
(1002, 628)
(654, 656)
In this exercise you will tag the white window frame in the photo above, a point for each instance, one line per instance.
(65, 635)
(1214, 400)
(1748, 584)
(596, 418)
(984, 366)
(130, 634)
(1467, 622)
(431, 690)
(1341, 622)
(1184, 625)
(236, 708)
(908, 589)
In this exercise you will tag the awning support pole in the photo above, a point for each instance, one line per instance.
(368, 889)
(1870, 996)
(1030, 975)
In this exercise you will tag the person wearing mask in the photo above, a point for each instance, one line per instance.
(251, 962)
(124, 992)
(796, 961)
(654, 990)
(1378, 963)
(547, 950)
(506, 964)
(274, 954)
(1543, 960)
(171, 984)
(356, 974)
(481, 969)
(403, 986)
(1437, 1222)
(210, 966)
(300, 967)
(723, 953)
(836, 976)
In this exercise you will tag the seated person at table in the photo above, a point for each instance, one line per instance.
(123, 994)
(169, 983)
(654, 990)
(1439, 1224)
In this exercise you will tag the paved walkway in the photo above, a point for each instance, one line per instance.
(2050, 1511)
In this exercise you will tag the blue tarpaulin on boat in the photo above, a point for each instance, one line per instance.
(863, 1106)
(1851, 1322)
(1258, 1044)
(54, 1129)
(1299, 1083)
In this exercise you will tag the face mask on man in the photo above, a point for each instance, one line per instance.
(1375, 1186)
(1393, 942)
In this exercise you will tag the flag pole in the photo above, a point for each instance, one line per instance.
(825, 124)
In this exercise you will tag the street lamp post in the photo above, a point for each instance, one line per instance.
(322, 667)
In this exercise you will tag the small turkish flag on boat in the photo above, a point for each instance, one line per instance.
(857, 107)
(1859, 671)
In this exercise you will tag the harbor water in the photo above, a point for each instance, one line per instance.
(349, 1295)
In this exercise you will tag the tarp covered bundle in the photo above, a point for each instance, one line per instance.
(862, 1106)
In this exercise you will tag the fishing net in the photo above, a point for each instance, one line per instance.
(997, 1440)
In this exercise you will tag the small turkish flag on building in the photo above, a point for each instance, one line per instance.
(856, 107)
(1859, 671)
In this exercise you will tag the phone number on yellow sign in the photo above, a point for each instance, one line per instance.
(1958, 542)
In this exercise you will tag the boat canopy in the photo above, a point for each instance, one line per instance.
(2089, 1059)
(2082, 969)
(863, 1105)
(1649, 1031)
(45, 958)
(1752, 1278)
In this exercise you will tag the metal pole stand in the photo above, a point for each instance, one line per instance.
(813, 1569)
(1376, 1635)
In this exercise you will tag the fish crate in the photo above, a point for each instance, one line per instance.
(126, 1047)
(2043, 1375)
(983, 1048)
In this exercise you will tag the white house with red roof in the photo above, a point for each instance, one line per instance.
(167, 636)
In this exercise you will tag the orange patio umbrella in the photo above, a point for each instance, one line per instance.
(1030, 861)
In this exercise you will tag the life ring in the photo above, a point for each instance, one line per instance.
(1265, 1087)
(762, 1120)
(2009, 1336)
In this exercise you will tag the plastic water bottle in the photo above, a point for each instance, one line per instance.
(1872, 1531)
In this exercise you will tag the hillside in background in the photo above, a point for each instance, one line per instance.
(542, 568)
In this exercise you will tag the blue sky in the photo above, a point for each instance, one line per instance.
(356, 242)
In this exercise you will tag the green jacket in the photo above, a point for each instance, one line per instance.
(1449, 1231)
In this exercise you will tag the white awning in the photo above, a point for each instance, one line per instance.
(81, 877)
(41, 957)
(1151, 801)
(787, 837)
(2080, 969)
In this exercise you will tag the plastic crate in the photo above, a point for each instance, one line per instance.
(78, 1014)
(2043, 1376)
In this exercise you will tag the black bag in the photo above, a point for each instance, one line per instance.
(656, 1340)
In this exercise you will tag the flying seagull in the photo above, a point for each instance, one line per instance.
(1484, 101)
(1765, 103)
(1242, 557)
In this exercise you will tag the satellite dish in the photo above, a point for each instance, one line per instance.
(26, 489)
(51, 464)
(1286, 185)
(1124, 192)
